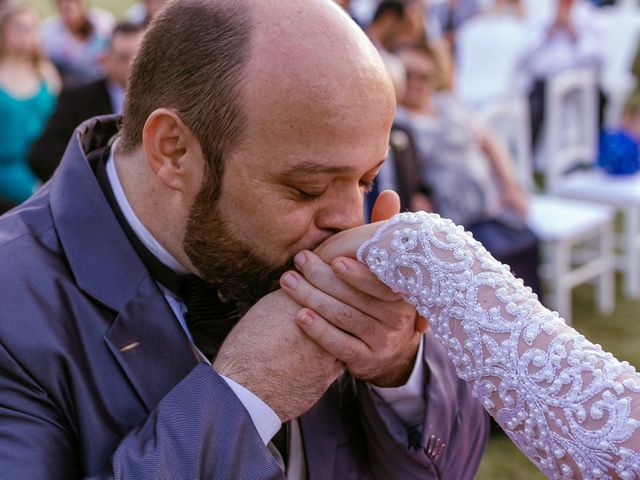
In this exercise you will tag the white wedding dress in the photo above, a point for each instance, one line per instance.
(572, 408)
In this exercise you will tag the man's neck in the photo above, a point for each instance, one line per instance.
(134, 213)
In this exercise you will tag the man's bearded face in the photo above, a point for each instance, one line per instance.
(241, 273)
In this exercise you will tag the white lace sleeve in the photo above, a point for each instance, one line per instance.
(572, 408)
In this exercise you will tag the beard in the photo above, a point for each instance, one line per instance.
(240, 273)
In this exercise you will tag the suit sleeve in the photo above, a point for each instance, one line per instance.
(198, 430)
(46, 152)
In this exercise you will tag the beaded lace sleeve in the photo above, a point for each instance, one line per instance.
(572, 408)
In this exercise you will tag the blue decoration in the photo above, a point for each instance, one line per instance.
(619, 153)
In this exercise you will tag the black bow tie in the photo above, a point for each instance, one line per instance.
(208, 318)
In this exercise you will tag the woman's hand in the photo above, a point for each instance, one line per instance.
(346, 243)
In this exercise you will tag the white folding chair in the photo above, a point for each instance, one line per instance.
(488, 50)
(571, 147)
(563, 226)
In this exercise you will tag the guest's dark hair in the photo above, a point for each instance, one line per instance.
(127, 28)
(397, 7)
(425, 49)
(192, 60)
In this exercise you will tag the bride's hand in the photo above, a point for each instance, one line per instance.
(346, 243)
(340, 251)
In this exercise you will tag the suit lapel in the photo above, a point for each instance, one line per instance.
(146, 338)
(149, 344)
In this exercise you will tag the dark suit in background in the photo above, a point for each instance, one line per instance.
(74, 106)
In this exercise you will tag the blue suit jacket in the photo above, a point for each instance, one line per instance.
(98, 380)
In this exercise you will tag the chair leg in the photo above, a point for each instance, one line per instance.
(561, 294)
(631, 216)
(605, 286)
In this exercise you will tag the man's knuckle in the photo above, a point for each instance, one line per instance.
(349, 353)
(345, 316)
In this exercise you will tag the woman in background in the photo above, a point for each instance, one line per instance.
(28, 88)
(467, 172)
(75, 40)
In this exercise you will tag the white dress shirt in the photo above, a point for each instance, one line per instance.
(408, 401)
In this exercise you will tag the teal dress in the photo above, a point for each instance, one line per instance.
(22, 121)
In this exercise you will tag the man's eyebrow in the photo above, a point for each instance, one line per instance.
(313, 168)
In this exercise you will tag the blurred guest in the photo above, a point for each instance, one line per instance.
(141, 13)
(28, 87)
(510, 8)
(453, 13)
(397, 22)
(401, 170)
(569, 39)
(75, 40)
(77, 104)
(467, 172)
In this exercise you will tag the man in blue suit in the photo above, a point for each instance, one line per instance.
(249, 136)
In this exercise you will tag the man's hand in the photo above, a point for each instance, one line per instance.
(355, 318)
(350, 312)
(268, 354)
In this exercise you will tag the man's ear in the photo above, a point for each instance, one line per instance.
(169, 146)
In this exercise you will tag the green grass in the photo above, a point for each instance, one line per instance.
(618, 333)
(46, 7)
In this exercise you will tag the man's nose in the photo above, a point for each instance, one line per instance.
(342, 212)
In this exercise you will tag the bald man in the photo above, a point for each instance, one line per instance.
(154, 324)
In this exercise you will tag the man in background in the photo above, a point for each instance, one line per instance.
(75, 105)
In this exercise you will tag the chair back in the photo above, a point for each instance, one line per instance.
(508, 119)
(571, 134)
(488, 50)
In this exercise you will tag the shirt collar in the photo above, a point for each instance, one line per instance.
(134, 222)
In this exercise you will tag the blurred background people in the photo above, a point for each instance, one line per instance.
(451, 14)
(397, 22)
(469, 175)
(101, 97)
(143, 12)
(569, 38)
(75, 40)
(28, 89)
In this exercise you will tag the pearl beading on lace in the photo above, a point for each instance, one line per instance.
(565, 402)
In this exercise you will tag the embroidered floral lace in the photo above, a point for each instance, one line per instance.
(572, 408)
